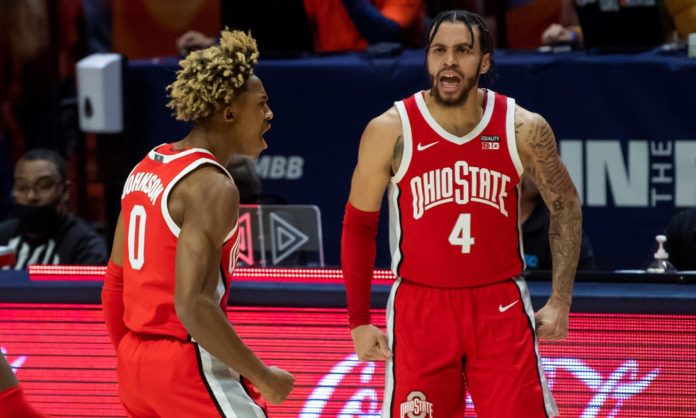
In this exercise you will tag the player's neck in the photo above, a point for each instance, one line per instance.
(202, 136)
(458, 120)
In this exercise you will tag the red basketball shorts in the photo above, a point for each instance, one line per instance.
(447, 341)
(166, 377)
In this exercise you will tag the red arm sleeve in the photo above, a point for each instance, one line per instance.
(112, 303)
(358, 261)
(13, 404)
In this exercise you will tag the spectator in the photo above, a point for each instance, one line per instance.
(681, 240)
(43, 231)
(40, 43)
(350, 25)
(534, 216)
(279, 27)
(335, 25)
(566, 30)
(675, 14)
(23, 38)
(684, 14)
(525, 21)
(515, 24)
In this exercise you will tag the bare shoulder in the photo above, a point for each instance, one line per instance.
(210, 183)
(206, 193)
(528, 124)
(534, 136)
(381, 134)
(386, 125)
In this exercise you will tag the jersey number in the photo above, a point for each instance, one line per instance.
(461, 233)
(136, 255)
(136, 231)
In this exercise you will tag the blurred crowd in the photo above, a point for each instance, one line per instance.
(42, 40)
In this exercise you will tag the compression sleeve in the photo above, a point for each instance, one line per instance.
(112, 303)
(371, 23)
(358, 261)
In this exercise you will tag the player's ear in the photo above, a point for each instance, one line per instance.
(228, 113)
(485, 63)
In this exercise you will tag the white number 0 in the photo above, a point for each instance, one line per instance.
(461, 233)
(136, 256)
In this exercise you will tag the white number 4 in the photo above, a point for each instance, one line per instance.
(461, 233)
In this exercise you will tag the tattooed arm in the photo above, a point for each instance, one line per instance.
(537, 148)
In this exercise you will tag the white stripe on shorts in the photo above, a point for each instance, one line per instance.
(549, 402)
(225, 385)
(389, 366)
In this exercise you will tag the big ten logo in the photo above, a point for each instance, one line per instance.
(348, 389)
(636, 173)
(280, 167)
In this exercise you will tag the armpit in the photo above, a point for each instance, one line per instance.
(398, 154)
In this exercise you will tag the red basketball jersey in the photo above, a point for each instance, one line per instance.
(454, 200)
(150, 239)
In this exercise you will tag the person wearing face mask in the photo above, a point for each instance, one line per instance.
(42, 230)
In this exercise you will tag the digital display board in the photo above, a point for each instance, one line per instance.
(612, 365)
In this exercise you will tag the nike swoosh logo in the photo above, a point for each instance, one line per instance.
(423, 147)
(502, 308)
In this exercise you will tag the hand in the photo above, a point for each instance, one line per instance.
(370, 343)
(191, 41)
(277, 385)
(552, 320)
(556, 34)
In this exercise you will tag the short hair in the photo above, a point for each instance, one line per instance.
(48, 155)
(211, 78)
(469, 19)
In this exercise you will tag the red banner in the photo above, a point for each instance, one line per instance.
(610, 366)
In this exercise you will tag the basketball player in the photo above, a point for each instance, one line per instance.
(176, 244)
(459, 314)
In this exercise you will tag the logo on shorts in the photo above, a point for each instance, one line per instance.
(416, 406)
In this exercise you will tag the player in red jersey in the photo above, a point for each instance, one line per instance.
(176, 245)
(459, 315)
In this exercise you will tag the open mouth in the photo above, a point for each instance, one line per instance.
(449, 82)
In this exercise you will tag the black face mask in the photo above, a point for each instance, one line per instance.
(38, 220)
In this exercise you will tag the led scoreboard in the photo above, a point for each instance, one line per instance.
(612, 365)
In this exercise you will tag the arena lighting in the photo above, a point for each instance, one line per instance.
(42, 272)
(612, 365)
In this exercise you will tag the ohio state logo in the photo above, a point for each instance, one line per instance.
(416, 406)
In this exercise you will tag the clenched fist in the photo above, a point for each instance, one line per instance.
(277, 385)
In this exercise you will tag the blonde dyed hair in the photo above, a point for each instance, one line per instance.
(211, 78)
